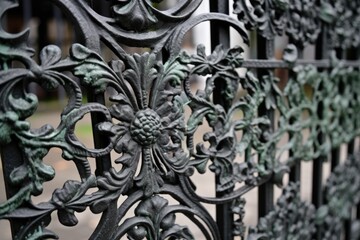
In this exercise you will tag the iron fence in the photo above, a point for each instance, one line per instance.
(259, 133)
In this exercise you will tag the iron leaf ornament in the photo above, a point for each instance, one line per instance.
(156, 212)
(298, 19)
(268, 16)
(341, 193)
(286, 221)
(341, 17)
(148, 106)
(152, 120)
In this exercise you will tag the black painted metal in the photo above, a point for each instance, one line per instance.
(266, 190)
(263, 124)
(220, 34)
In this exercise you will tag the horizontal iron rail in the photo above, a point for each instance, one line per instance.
(255, 63)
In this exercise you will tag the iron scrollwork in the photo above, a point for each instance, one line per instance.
(148, 106)
(286, 221)
(341, 193)
(341, 17)
(272, 17)
(268, 16)
(144, 121)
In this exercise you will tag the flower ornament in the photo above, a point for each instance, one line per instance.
(150, 122)
(145, 128)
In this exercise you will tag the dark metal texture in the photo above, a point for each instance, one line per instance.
(263, 125)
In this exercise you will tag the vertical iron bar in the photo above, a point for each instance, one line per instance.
(11, 158)
(220, 34)
(357, 151)
(45, 12)
(336, 152)
(27, 13)
(352, 55)
(355, 55)
(295, 170)
(317, 192)
(347, 227)
(103, 163)
(266, 190)
(348, 222)
(335, 158)
(351, 147)
(321, 52)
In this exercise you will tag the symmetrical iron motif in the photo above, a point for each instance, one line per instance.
(145, 122)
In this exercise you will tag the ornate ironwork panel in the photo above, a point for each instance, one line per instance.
(266, 117)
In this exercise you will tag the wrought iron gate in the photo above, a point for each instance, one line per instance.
(260, 132)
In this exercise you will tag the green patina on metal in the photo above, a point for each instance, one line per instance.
(145, 121)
